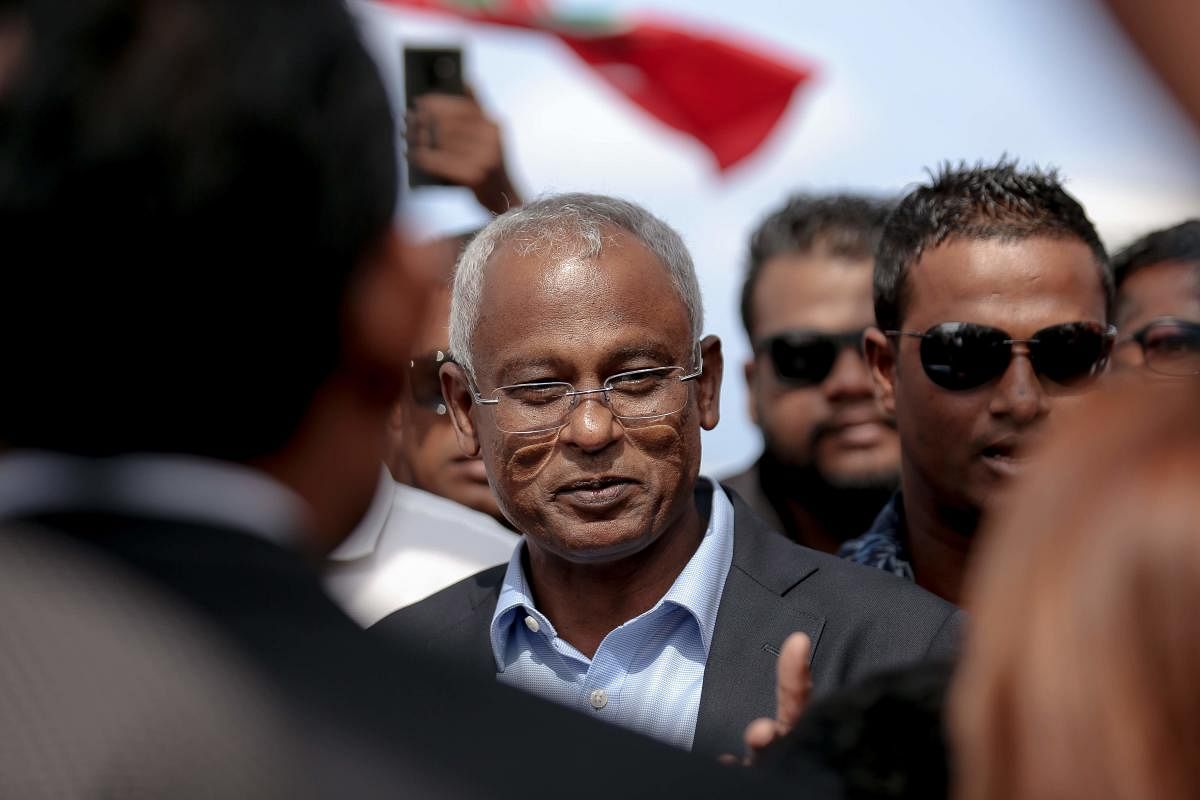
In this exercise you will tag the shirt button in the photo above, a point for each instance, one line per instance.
(599, 699)
(532, 624)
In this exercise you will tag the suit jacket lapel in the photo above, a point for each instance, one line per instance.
(754, 618)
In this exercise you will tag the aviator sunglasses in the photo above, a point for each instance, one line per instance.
(964, 355)
(805, 358)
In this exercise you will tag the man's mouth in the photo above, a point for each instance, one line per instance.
(598, 492)
(858, 430)
(1005, 458)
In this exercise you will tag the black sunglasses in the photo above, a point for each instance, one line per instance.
(963, 355)
(424, 382)
(1170, 346)
(805, 358)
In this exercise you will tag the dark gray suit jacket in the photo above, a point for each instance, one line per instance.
(860, 621)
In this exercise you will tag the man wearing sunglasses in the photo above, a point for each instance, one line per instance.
(992, 299)
(642, 594)
(830, 458)
(1158, 302)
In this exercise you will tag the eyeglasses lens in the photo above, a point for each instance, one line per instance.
(961, 355)
(1071, 355)
(1172, 347)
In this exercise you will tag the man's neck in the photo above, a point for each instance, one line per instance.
(939, 541)
(816, 513)
(587, 601)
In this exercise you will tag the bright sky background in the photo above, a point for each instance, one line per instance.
(900, 87)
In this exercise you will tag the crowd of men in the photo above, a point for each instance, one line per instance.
(290, 506)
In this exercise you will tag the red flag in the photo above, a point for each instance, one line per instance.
(723, 95)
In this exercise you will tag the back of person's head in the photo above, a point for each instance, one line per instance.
(1180, 243)
(836, 226)
(1079, 677)
(1003, 201)
(879, 739)
(186, 189)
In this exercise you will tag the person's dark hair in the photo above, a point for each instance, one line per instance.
(844, 226)
(1004, 201)
(186, 189)
(881, 739)
(1178, 243)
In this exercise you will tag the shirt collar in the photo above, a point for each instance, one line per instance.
(184, 487)
(697, 589)
(889, 523)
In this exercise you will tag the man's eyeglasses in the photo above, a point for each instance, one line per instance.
(633, 397)
(1170, 346)
(424, 383)
(963, 355)
(805, 358)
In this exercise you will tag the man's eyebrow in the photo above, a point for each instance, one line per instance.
(653, 352)
(515, 365)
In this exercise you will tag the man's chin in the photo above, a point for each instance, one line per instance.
(881, 479)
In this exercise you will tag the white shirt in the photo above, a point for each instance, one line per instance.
(410, 544)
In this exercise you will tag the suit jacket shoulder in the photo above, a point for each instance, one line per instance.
(859, 620)
(453, 623)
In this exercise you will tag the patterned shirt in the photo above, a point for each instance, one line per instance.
(882, 546)
(647, 673)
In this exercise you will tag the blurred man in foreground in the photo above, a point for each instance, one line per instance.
(830, 458)
(1078, 682)
(197, 376)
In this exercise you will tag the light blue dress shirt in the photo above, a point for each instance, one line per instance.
(647, 673)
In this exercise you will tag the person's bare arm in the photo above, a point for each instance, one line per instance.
(451, 137)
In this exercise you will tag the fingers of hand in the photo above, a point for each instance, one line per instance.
(758, 736)
(794, 681)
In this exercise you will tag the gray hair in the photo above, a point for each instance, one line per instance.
(574, 225)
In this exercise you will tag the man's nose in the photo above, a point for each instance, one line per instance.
(591, 425)
(850, 379)
(1019, 394)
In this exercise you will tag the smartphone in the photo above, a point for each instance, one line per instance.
(429, 70)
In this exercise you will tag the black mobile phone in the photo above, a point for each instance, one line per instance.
(430, 70)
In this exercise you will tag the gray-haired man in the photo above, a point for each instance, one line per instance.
(642, 593)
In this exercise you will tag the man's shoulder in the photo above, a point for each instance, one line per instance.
(743, 482)
(838, 590)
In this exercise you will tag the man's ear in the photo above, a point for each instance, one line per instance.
(710, 382)
(460, 401)
(749, 370)
(881, 359)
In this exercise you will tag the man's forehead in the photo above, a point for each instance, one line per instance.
(816, 292)
(990, 271)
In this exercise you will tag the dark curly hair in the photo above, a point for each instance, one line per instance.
(1004, 201)
(839, 225)
(1178, 243)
